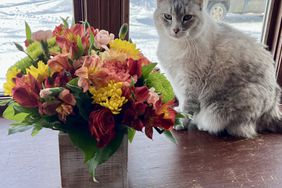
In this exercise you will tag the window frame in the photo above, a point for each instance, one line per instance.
(110, 15)
(273, 35)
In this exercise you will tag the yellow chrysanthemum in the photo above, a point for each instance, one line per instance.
(10, 83)
(124, 47)
(109, 96)
(40, 73)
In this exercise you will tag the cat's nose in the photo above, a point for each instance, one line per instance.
(176, 30)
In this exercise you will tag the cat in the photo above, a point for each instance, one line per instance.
(220, 75)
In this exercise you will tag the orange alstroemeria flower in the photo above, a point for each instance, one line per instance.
(59, 63)
(26, 91)
(64, 110)
(91, 72)
(67, 97)
(67, 38)
(162, 117)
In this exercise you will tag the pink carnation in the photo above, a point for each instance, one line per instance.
(103, 38)
(41, 35)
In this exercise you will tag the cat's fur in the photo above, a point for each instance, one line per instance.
(225, 78)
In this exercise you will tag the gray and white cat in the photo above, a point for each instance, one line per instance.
(219, 74)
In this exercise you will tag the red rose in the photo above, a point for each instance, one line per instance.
(102, 126)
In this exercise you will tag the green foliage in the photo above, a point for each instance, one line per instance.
(81, 138)
(170, 136)
(20, 109)
(80, 47)
(4, 102)
(24, 119)
(27, 31)
(123, 31)
(92, 42)
(23, 64)
(19, 47)
(73, 86)
(147, 69)
(19, 129)
(161, 84)
(103, 154)
(54, 49)
(130, 133)
(36, 129)
(34, 52)
(65, 22)
(84, 101)
(45, 50)
(11, 114)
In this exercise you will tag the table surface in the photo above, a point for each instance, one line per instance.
(198, 160)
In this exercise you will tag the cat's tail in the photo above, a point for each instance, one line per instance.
(271, 122)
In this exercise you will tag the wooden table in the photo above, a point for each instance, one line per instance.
(199, 160)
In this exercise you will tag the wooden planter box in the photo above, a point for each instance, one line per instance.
(74, 173)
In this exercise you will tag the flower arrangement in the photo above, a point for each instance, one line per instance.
(90, 85)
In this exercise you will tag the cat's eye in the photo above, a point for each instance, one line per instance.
(167, 17)
(187, 18)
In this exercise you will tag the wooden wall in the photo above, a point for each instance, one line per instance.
(103, 14)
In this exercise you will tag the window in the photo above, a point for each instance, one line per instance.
(39, 14)
(245, 15)
(142, 30)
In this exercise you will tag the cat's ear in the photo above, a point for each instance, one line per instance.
(201, 3)
(159, 1)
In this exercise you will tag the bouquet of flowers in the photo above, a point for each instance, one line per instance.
(90, 85)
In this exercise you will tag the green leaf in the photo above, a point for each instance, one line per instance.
(80, 47)
(9, 112)
(92, 42)
(178, 122)
(123, 31)
(147, 69)
(19, 109)
(19, 47)
(44, 46)
(4, 102)
(65, 22)
(27, 31)
(130, 133)
(72, 85)
(84, 104)
(12, 113)
(92, 165)
(20, 117)
(180, 116)
(36, 129)
(18, 129)
(170, 136)
(84, 101)
(83, 140)
(103, 154)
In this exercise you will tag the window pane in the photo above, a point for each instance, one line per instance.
(39, 14)
(245, 15)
